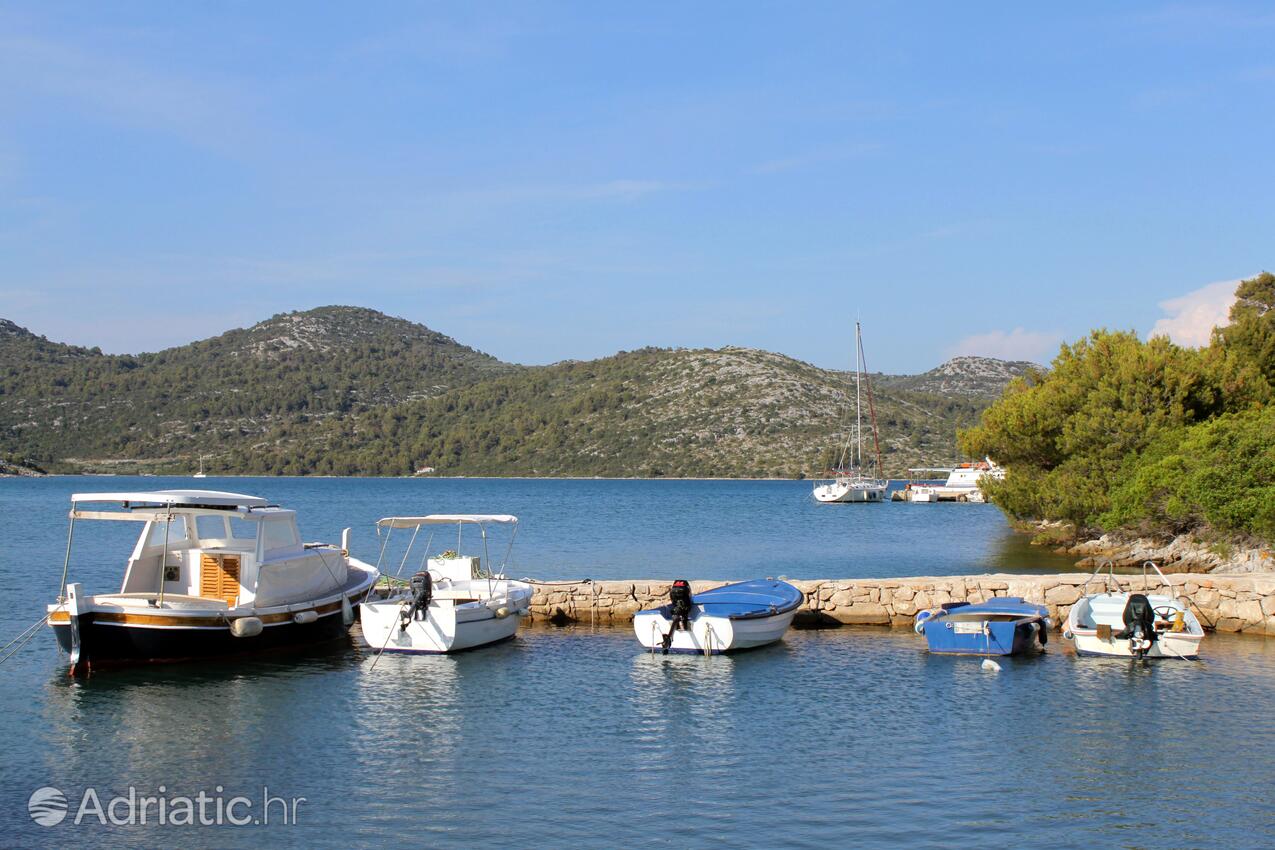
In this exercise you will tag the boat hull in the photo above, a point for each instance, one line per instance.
(845, 494)
(989, 638)
(110, 644)
(1174, 646)
(710, 635)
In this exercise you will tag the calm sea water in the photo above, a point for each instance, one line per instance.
(848, 737)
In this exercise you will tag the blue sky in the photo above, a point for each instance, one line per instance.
(556, 180)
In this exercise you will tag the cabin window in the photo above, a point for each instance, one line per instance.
(210, 527)
(176, 531)
(279, 535)
(243, 529)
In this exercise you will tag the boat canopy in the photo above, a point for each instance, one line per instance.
(443, 519)
(175, 498)
(746, 599)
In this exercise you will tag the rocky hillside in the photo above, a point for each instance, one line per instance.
(61, 402)
(344, 390)
(971, 377)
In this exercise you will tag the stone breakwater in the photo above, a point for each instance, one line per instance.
(1226, 603)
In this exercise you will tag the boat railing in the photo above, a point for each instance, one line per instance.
(1109, 580)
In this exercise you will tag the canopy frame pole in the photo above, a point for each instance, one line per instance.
(410, 544)
(384, 543)
(163, 560)
(429, 541)
(66, 563)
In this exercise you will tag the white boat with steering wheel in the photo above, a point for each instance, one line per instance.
(1129, 624)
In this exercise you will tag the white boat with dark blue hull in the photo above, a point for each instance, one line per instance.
(453, 602)
(212, 574)
(1130, 624)
(1005, 625)
(738, 616)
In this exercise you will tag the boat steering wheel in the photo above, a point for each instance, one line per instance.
(1165, 612)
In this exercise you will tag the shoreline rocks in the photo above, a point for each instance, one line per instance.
(1230, 603)
(1182, 554)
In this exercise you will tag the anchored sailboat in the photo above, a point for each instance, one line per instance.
(848, 481)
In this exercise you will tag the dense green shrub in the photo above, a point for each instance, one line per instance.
(1122, 433)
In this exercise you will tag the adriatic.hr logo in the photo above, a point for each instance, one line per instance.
(49, 806)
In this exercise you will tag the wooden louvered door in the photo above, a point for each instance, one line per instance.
(219, 578)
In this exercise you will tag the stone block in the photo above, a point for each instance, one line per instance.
(1062, 594)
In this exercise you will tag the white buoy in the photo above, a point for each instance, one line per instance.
(989, 664)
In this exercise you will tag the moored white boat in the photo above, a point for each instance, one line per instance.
(1132, 624)
(744, 615)
(211, 574)
(455, 603)
(962, 484)
(848, 481)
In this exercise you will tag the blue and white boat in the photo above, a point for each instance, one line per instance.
(738, 616)
(1005, 625)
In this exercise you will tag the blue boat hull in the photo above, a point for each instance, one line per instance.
(1002, 638)
(1000, 626)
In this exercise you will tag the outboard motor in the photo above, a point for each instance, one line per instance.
(680, 605)
(422, 587)
(1139, 624)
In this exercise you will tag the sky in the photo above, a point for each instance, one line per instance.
(545, 181)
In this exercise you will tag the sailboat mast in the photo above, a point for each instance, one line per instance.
(872, 408)
(858, 410)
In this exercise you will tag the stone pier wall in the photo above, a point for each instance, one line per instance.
(1227, 603)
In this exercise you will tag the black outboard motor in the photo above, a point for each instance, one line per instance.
(680, 605)
(422, 587)
(1139, 624)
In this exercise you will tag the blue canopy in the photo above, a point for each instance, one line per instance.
(1004, 606)
(756, 598)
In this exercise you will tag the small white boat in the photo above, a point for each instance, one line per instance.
(1130, 624)
(200, 473)
(849, 481)
(738, 616)
(454, 602)
(211, 574)
(962, 484)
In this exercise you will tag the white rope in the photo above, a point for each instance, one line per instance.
(27, 635)
(389, 634)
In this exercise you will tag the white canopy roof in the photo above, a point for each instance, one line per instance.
(442, 519)
(201, 498)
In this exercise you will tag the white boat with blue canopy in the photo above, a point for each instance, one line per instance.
(452, 601)
(744, 615)
(212, 573)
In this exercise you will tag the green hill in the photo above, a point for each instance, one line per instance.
(60, 403)
(343, 390)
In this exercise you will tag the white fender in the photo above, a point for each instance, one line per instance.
(301, 618)
(246, 627)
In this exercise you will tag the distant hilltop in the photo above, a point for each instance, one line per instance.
(349, 390)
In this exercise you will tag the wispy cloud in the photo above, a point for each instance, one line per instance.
(1016, 344)
(812, 159)
(1191, 318)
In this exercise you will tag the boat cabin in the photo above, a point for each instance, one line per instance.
(206, 546)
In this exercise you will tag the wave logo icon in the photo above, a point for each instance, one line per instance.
(47, 806)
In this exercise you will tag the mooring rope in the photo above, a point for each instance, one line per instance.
(25, 636)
